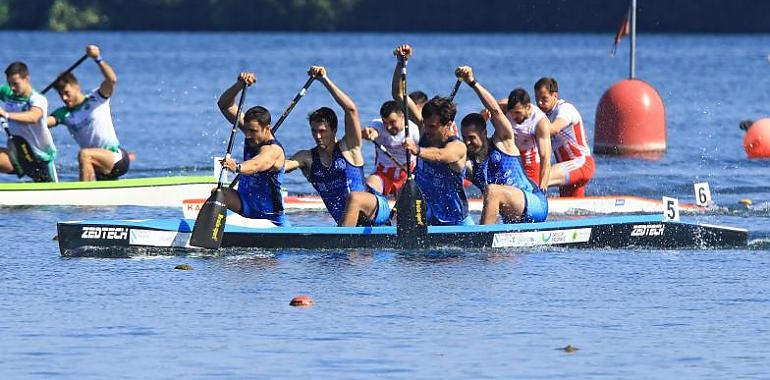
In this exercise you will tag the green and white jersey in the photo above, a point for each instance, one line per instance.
(90, 123)
(37, 134)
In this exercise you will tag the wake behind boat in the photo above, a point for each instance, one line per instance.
(628, 231)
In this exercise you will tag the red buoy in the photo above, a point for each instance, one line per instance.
(757, 139)
(301, 300)
(631, 121)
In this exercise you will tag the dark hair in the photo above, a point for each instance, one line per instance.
(474, 120)
(441, 107)
(64, 79)
(324, 115)
(258, 113)
(391, 106)
(419, 97)
(518, 96)
(17, 68)
(549, 83)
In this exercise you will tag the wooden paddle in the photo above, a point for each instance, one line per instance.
(411, 209)
(284, 115)
(210, 224)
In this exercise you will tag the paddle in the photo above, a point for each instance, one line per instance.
(284, 115)
(210, 224)
(389, 155)
(410, 215)
(74, 65)
(455, 89)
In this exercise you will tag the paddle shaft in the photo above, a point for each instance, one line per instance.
(4, 121)
(406, 113)
(293, 103)
(232, 133)
(455, 89)
(389, 155)
(74, 65)
(283, 117)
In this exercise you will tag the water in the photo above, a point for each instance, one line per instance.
(379, 314)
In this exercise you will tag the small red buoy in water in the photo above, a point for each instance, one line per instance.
(131, 156)
(756, 143)
(301, 300)
(631, 121)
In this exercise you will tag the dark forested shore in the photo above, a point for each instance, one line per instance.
(670, 16)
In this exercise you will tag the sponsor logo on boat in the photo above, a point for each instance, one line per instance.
(105, 233)
(535, 238)
(648, 230)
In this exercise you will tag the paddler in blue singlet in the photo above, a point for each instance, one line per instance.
(336, 168)
(259, 190)
(495, 163)
(441, 157)
(31, 150)
(89, 120)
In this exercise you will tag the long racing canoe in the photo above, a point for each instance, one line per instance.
(153, 191)
(598, 205)
(79, 238)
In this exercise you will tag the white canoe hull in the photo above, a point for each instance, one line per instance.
(151, 192)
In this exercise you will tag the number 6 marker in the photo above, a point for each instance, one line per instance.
(670, 209)
(703, 194)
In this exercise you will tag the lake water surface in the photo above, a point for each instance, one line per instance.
(390, 314)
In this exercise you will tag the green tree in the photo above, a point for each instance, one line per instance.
(63, 16)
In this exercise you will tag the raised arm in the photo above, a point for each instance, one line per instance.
(542, 131)
(352, 136)
(226, 101)
(403, 53)
(110, 79)
(503, 128)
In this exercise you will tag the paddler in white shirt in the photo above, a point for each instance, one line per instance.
(88, 118)
(389, 132)
(30, 150)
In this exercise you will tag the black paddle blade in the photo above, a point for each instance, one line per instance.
(210, 224)
(410, 217)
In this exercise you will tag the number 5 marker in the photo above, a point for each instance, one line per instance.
(670, 209)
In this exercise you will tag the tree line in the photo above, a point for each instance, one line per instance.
(677, 16)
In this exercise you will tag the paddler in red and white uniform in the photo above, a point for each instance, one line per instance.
(532, 135)
(389, 131)
(574, 166)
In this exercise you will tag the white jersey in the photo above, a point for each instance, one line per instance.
(526, 135)
(90, 123)
(37, 134)
(393, 143)
(571, 142)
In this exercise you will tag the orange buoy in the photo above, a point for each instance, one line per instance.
(756, 143)
(131, 156)
(301, 300)
(631, 121)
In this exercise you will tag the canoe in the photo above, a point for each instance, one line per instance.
(153, 191)
(616, 204)
(105, 237)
